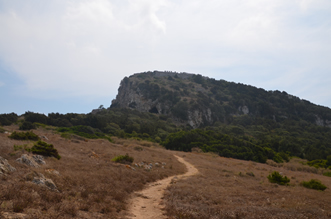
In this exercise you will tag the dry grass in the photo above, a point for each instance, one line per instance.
(226, 188)
(90, 184)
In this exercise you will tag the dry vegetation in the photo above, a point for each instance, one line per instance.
(90, 184)
(230, 188)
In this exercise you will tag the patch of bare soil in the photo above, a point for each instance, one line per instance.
(148, 202)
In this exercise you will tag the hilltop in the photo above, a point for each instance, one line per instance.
(201, 101)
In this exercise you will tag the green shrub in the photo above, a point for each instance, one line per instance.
(328, 161)
(84, 131)
(45, 149)
(17, 147)
(284, 156)
(318, 163)
(2, 130)
(26, 125)
(277, 158)
(327, 174)
(314, 184)
(123, 159)
(20, 147)
(275, 177)
(24, 136)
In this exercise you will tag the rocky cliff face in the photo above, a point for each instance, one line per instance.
(198, 101)
(163, 93)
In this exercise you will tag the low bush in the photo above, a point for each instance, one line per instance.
(45, 149)
(2, 130)
(276, 177)
(24, 136)
(327, 174)
(26, 125)
(123, 159)
(21, 147)
(277, 158)
(84, 131)
(318, 163)
(314, 184)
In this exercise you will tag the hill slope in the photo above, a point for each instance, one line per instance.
(200, 101)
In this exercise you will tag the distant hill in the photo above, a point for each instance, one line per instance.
(188, 112)
(201, 101)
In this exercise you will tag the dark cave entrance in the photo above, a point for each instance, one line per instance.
(154, 110)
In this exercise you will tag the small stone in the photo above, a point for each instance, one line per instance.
(44, 137)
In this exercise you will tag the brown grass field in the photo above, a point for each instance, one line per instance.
(224, 190)
(92, 186)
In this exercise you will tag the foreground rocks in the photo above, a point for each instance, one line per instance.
(41, 180)
(32, 161)
(5, 167)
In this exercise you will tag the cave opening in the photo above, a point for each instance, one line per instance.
(154, 110)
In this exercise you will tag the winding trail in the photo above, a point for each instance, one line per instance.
(147, 203)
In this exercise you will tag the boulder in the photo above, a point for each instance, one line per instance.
(32, 161)
(5, 167)
(39, 159)
(41, 180)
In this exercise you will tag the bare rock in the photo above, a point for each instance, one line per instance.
(52, 171)
(44, 137)
(41, 180)
(5, 167)
(32, 161)
(39, 159)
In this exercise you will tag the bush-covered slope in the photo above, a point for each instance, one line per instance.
(201, 101)
(233, 120)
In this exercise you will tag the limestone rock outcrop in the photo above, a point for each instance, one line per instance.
(32, 161)
(41, 180)
(5, 167)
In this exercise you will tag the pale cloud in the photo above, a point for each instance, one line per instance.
(84, 48)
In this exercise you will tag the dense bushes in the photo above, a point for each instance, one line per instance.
(314, 184)
(24, 136)
(8, 119)
(42, 148)
(276, 177)
(320, 163)
(84, 131)
(26, 125)
(212, 141)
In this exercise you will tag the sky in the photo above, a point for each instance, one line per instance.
(70, 55)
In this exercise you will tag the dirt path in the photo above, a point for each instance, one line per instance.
(147, 203)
